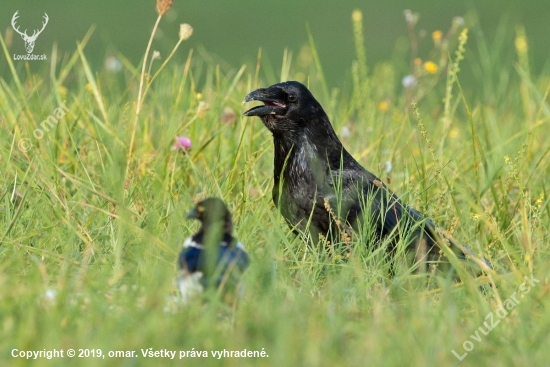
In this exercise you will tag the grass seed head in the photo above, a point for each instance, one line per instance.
(163, 6)
(185, 31)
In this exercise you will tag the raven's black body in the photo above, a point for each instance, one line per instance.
(313, 169)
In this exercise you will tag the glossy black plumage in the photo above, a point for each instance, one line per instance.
(315, 177)
(229, 261)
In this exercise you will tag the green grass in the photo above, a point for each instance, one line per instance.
(79, 218)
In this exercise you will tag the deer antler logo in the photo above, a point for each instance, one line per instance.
(29, 40)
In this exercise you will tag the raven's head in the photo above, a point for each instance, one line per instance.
(212, 212)
(287, 106)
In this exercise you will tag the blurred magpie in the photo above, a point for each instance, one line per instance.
(212, 257)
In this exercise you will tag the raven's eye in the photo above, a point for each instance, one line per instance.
(292, 98)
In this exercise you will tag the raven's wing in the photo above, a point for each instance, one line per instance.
(364, 197)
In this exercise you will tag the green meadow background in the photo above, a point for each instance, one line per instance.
(232, 32)
(92, 209)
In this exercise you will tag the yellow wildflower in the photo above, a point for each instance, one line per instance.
(540, 199)
(437, 35)
(455, 132)
(62, 91)
(383, 106)
(521, 44)
(89, 87)
(430, 67)
(357, 15)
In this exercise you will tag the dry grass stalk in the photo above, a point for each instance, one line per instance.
(344, 230)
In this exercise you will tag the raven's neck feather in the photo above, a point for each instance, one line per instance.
(317, 142)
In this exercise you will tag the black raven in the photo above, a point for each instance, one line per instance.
(228, 261)
(320, 187)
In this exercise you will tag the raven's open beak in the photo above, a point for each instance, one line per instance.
(272, 105)
(192, 214)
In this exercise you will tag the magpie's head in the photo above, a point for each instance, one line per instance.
(287, 107)
(212, 212)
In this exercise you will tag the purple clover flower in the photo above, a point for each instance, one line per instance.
(183, 143)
